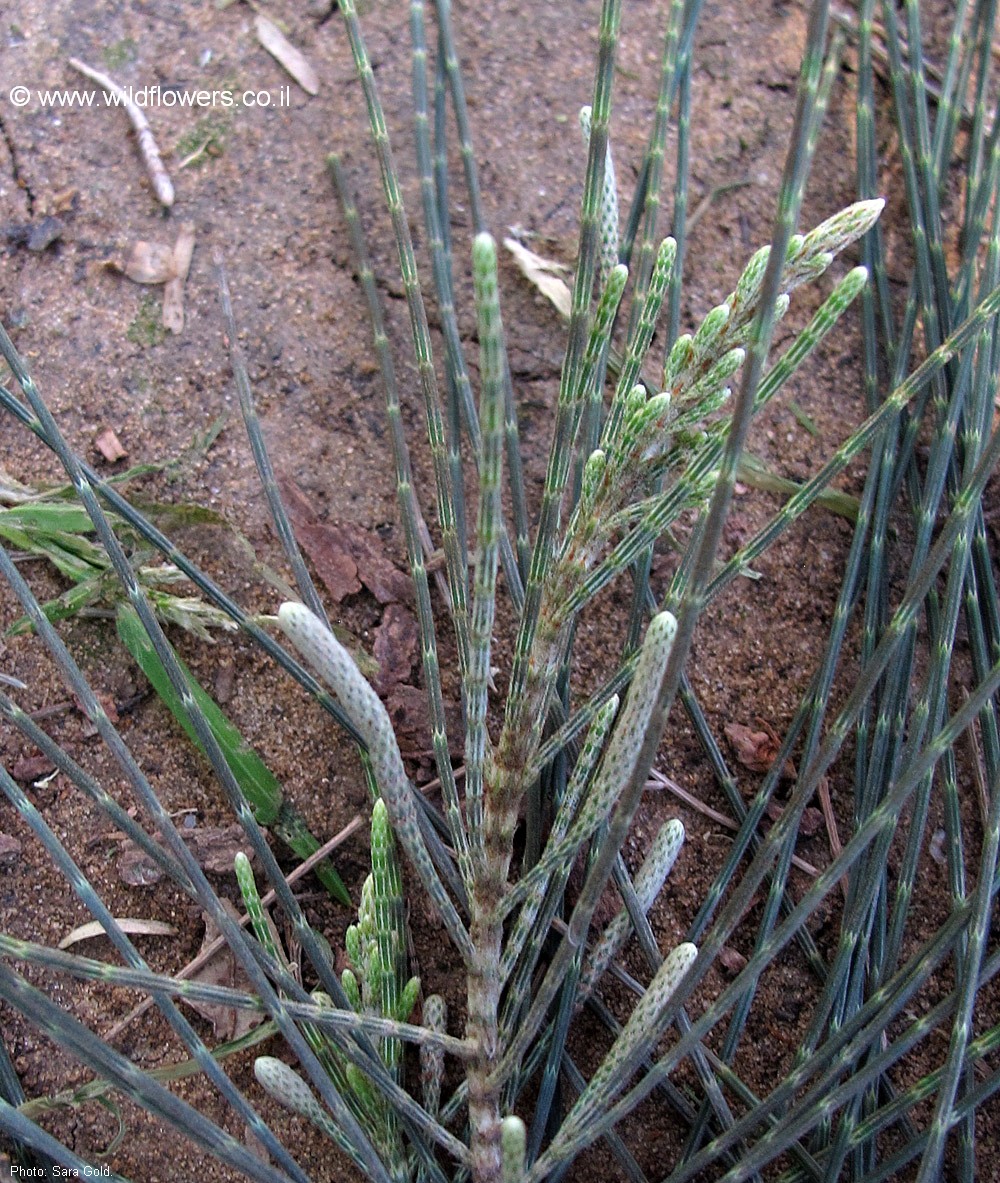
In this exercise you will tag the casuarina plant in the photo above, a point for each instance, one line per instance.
(646, 442)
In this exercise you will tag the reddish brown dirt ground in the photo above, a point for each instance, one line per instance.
(260, 195)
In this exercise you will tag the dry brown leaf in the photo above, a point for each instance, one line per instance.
(32, 767)
(731, 960)
(222, 969)
(333, 562)
(756, 750)
(377, 572)
(543, 273)
(150, 262)
(214, 848)
(129, 924)
(345, 557)
(110, 446)
(395, 646)
(286, 55)
(322, 543)
(407, 707)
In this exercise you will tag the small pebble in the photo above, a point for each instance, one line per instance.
(45, 233)
(10, 850)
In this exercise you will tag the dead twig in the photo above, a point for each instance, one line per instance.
(162, 184)
(658, 781)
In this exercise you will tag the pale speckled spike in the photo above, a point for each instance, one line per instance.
(337, 668)
(513, 1144)
(619, 759)
(649, 882)
(843, 228)
(630, 728)
(638, 1037)
(609, 206)
(289, 1089)
(435, 1015)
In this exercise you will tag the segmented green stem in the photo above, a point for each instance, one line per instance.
(457, 574)
(478, 756)
(638, 341)
(417, 545)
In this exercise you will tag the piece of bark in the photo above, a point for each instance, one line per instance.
(395, 648)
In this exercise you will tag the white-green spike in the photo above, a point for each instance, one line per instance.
(609, 206)
(290, 1090)
(639, 1036)
(338, 669)
(513, 1144)
(648, 884)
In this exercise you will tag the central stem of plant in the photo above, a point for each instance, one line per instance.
(504, 789)
(482, 1030)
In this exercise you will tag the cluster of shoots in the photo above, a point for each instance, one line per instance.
(375, 985)
(633, 458)
(656, 458)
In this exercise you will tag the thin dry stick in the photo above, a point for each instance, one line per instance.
(833, 834)
(206, 954)
(978, 771)
(657, 781)
(147, 145)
